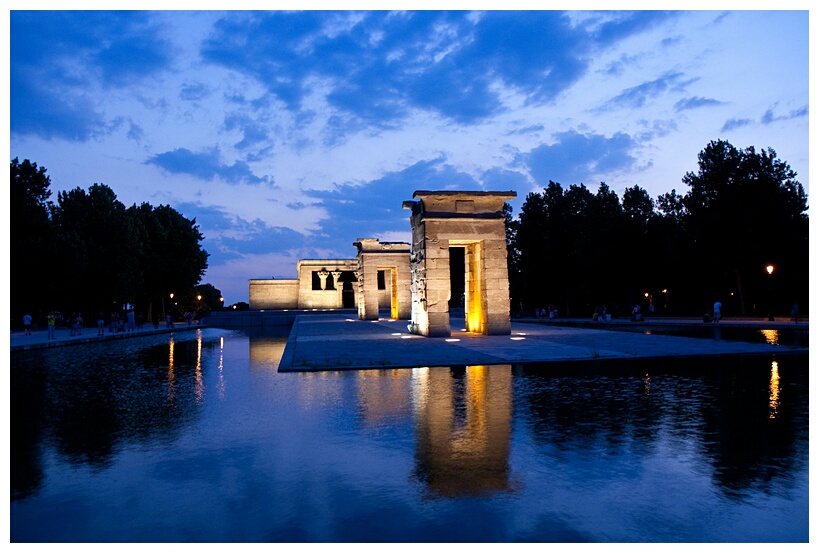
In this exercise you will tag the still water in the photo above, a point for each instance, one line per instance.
(198, 438)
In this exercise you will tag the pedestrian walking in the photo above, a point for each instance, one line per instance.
(717, 311)
(101, 324)
(27, 324)
(51, 320)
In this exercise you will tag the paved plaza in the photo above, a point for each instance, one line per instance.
(332, 341)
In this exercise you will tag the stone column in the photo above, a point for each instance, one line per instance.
(338, 287)
(323, 274)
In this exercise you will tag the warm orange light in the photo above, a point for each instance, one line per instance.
(199, 297)
(770, 269)
(773, 401)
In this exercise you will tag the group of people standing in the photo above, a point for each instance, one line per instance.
(551, 312)
(120, 322)
(126, 321)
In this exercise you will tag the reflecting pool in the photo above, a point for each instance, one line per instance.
(198, 438)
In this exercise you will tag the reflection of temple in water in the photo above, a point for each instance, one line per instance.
(463, 424)
(384, 395)
(462, 417)
(266, 350)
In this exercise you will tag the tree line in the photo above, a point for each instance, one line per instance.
(743, 211)
(88, 254)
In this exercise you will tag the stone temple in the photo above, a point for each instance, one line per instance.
(474, 221)
(413, 281)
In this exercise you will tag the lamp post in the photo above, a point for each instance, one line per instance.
(770, 270)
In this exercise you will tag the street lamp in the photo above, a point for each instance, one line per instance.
(770, 270)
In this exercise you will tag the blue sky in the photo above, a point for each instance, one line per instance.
(290, 135)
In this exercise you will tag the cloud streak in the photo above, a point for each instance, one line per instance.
(206, 166)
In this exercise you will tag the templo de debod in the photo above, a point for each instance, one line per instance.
(413, 281)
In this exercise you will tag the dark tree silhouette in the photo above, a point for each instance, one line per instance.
(32, 244)
(89, 254)
(743, 210)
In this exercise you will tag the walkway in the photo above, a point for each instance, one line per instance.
(321, 342)
(39, 338)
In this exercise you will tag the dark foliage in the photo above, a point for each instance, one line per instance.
(89, 254)
(677, 255)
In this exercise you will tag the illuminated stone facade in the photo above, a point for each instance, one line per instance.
(321, 284)
(392, 288)
(475, 222)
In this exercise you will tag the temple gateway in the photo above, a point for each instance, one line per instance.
(413, 281)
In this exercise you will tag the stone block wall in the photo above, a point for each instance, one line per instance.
(330, 294)
(474, 221)
(393, 259)
(274, 294)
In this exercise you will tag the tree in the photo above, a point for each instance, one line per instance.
(172, 258)
(745, 210)
(566, 239)
(32, 245)
(512, 255)
(88, 253)
(100, 250)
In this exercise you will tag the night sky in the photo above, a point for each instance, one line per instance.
(290, 135)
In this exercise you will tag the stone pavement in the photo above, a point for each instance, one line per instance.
(332, 341)
(18, 340)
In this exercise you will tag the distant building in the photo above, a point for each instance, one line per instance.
(379, 278)
(321, 284)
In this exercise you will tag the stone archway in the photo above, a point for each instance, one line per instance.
(392, 260)
(474, 221)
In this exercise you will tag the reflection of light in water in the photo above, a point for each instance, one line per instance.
(199, 386)
(771, 336)
(463, 422)
(220, 387)
(647, 384)
(171, 377)
(384, 395)
(420, 389)
(774, 396)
